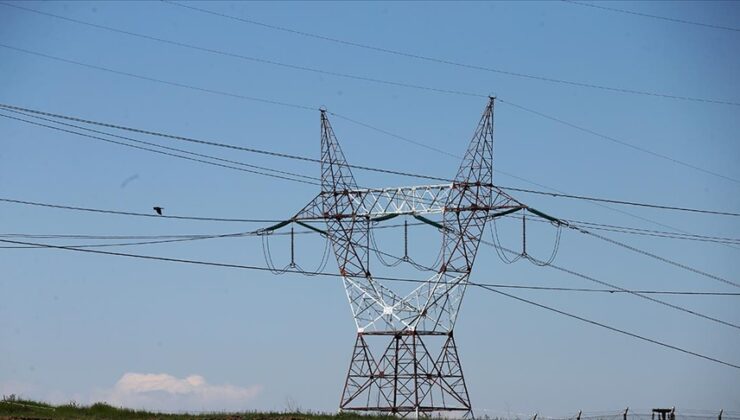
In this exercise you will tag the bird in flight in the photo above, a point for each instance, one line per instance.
(158, 210)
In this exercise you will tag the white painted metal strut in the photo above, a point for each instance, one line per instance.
(379, 202)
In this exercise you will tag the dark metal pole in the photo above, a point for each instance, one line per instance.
(292, 247)
(395, 375)
(405, 240)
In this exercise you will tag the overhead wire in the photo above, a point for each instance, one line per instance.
(222, 145)
(244, 56)
(613, 286)
(448, 61)
(710, 359)
(624, 290)
(418, 143)
(367, 79)
(590, 225)
(360, 167)
(618, 141)
(651, 16)
(188, 238)
(655, 256)
(401, 138)
(656, 233)
(155, 239)
(261, 168)
(625, 202)
(154, 150)
(257, 268)
(663, 259)
(136, 214)
(274, 270)
(632, 292)
(161, 81)
(496, 244)
(608, 327)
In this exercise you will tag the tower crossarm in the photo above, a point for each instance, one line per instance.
(376, 203)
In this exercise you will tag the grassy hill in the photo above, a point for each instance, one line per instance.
(25, 409)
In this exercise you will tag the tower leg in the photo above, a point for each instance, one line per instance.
(416, 373)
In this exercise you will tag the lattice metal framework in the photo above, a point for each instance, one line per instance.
(418, 370)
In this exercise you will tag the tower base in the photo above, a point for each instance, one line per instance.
(416, 373)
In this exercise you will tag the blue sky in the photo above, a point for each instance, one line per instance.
(89, 327)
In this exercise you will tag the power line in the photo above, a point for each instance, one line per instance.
(612, 291)
(590, 278)
(618, 141)
(154, 150)
(667, 19)
(257, 268)
(340, 116)
(656, 233)
(643, 232)
(126, 244)
(250, 58)
(161, 81)
(380, 130)
(361, 167)
(373, 80)
(629, 247)
(663, 259)
(592, 225)
(602, 325)
(315, 180)
(623, 245)
(624, 202)
(130, 213)
(229, 94)
(624, 290)
(158, 239)
(657, 257)
(452, 62)
(222, 145)
(354, 121)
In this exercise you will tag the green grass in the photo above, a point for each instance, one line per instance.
(15, 408)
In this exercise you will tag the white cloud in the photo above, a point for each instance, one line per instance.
(163, 392)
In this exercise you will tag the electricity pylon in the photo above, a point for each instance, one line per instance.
(416, 368)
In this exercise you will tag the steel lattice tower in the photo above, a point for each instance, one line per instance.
(405, 359)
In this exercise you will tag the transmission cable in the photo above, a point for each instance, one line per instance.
(634, 13)
(624, 290)
(246, 57)
(632, 292)
(315, 180)
(223, 145)
(161, 81)
(623, 202)
(156, 151)
(363, 78)
(654, 256)
(451, 62)
(680, 265)
(322, 265)
(262, 168)
(360, 167)
(602, 325)
(257, 268)
(152, 239)
(618, 141)
(129, 213)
